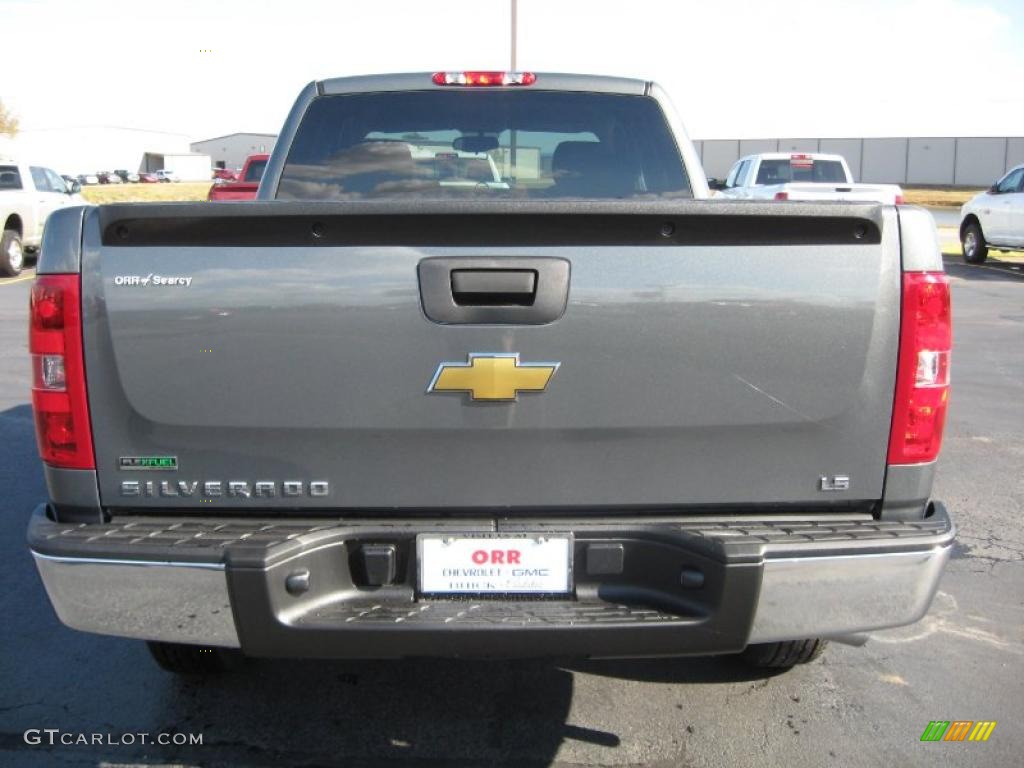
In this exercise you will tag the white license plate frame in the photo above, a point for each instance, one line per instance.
(537, 552)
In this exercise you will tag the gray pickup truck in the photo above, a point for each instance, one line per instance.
(482, 372)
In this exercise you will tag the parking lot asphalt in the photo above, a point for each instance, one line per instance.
(854, 706)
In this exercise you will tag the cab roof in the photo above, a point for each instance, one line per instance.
(546, 81)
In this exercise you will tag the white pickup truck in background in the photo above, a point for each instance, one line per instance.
(800, 176)
(28, 195)
(994, 218)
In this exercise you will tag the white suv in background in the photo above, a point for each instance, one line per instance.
(994, 219)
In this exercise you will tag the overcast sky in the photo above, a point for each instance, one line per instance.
(788, 68)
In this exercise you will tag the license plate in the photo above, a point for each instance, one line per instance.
(480, 565)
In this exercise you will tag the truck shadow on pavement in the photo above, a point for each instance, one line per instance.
(414, 711)
(424, 712)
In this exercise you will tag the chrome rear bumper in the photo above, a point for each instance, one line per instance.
(830, 577)
(176, 602)
(830, 596)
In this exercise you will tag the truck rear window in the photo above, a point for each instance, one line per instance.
(483, 144)
(783, 171)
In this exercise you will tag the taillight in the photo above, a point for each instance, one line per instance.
(782, 195)
(900, 200)
(922, 375)
(484, 78)
(63, 431)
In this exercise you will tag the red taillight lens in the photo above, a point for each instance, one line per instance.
(782, 195)
(484, 78)
(900, 200)
(922, 376)
(63, 431)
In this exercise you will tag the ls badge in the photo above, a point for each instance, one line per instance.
(493, 377)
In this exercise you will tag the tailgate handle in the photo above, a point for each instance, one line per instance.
(494, 287)
(503, 290)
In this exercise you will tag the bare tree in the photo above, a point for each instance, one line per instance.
(8, 122)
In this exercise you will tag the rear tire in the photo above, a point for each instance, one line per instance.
(192, 660)
(785, 654)
(972, 241)
(12, 255)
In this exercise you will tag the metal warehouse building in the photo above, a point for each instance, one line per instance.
(948, 161)
(230, 151)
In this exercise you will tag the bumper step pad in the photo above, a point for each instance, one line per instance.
(207, 540)
(487, 612)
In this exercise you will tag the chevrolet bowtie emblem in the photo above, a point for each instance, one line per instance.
(492, 377)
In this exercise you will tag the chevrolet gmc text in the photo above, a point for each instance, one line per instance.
(483, 372)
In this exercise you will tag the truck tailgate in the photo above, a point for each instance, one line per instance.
(711, 353)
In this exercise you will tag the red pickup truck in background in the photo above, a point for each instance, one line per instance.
(245, 188)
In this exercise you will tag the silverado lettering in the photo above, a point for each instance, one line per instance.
(231, 489)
